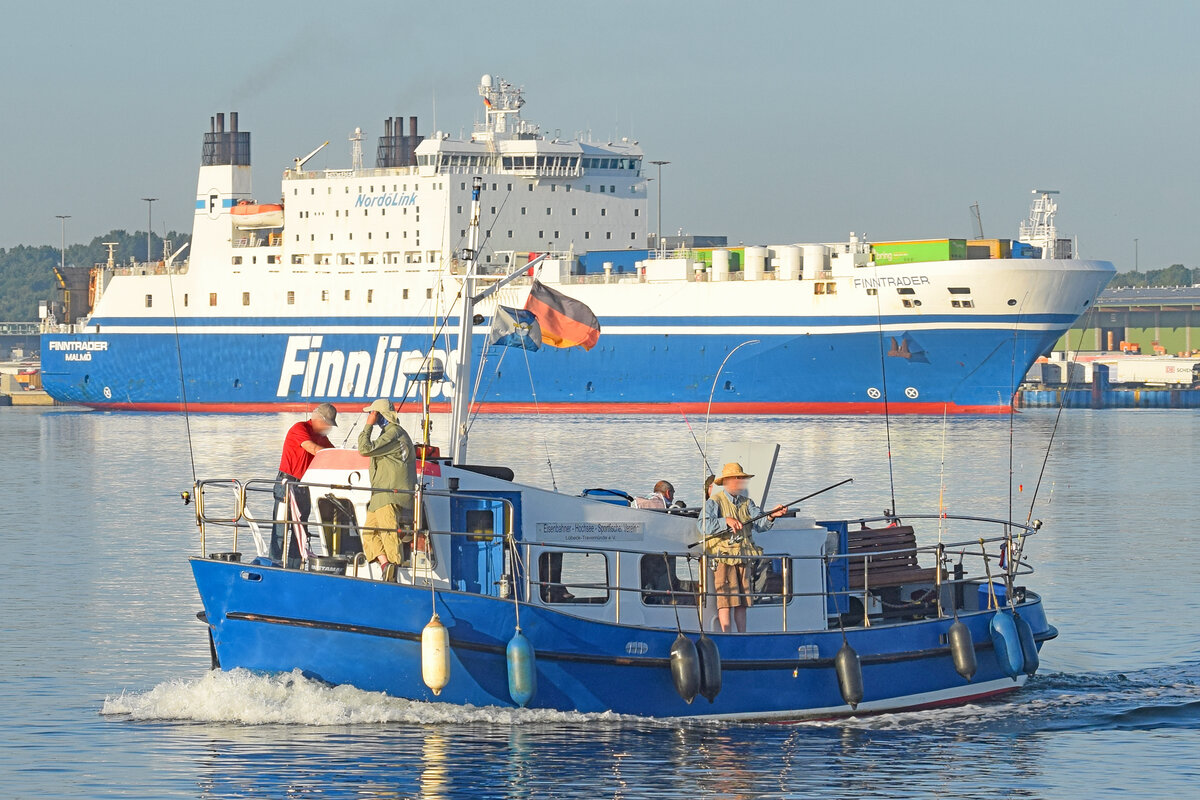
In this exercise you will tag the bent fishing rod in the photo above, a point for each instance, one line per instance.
(764, 514)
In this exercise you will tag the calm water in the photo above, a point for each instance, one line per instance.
(104, 687)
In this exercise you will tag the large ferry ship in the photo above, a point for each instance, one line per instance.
(321, 296)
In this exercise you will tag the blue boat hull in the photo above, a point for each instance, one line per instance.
(367, 634)
(963, 370)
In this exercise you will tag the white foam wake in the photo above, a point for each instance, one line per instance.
(249, 698)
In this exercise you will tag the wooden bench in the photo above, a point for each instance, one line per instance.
(893, 558)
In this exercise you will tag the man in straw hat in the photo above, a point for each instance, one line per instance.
(729, 537)
(393, 469)
(304, 440)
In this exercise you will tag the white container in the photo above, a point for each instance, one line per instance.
(755, 264)
(816, 259)
(720, 265)
(789, 263)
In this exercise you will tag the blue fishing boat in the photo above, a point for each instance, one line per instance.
(514, 595)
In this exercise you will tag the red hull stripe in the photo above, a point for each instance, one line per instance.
(759, 408)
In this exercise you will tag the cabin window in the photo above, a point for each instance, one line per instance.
(547, 211)
(370, 295)
(429, 294)
(831, 288)
(291, 298)
(297, 259)
(602, 188)
(667, 579)
(212, 298)
(612, 190)
(608, 234)
(185, 299)
(324, 295)
(573, 576)
(522, 211)
(574, 212)
(872, 292)
(637, 212)
(604, 212)
(908, 303)
(404, 294)
(818, 288)
(149, 300)
(237, 259)
(245, 298)
(347, 294)
(633, 237)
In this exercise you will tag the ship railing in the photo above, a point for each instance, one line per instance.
(236, 515)
(946, 587)
(146, 268)
(1002, 553)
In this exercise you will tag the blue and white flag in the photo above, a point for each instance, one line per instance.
(515, 327)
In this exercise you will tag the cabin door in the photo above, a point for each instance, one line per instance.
(477, 551)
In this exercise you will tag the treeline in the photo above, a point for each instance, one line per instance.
(1174, 275)
(27, 273)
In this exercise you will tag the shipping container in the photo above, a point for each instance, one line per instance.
(919, 251)
(989, 248)
(1025, 250)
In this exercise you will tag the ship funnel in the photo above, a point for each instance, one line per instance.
(225, 148)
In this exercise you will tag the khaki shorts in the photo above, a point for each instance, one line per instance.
(731, 585)
(387, 542)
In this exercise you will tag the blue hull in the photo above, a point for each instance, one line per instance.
(964, 370)
(367, 634)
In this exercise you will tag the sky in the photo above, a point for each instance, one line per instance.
(783, 121)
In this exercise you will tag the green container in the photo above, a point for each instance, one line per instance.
(919, 251)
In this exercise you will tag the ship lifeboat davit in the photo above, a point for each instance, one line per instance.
(256, 215)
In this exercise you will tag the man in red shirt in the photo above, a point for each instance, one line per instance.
(304, 440)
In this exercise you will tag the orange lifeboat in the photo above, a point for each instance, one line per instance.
(255, 215)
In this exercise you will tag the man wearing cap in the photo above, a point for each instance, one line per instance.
(729, 538)
(394, 470)
(304, 440)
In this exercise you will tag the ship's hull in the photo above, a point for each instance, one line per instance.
(660, 349)
(367, 634)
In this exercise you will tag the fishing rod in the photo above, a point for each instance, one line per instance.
(764, 514)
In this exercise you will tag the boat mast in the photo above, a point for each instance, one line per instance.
(461, 401)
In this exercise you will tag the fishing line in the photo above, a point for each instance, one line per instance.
(187, 423)
(942, 482)
(1061, 404)
(1012, 410)
(537, 408)
(697, 441)
(887, 420)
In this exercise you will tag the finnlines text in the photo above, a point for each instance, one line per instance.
(311, 370)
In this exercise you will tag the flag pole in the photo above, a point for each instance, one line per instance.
(461, 401)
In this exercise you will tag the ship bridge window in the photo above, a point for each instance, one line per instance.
(906, 290)
(573, 577)
(960, 290)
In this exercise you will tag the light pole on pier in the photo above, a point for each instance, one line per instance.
(149, 225)
(658, 236)
(62, 251)
(1135, 255)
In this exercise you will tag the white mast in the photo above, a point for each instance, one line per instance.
(460, 404)
(1039, 229)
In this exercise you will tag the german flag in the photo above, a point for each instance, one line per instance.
(565, 322)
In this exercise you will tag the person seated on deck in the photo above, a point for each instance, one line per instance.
(730, 509)
(660, 499)
(394, 470)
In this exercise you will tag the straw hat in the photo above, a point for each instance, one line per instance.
(731, 470)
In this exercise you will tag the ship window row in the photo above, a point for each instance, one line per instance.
(396, 187)
(367, 259)
(271, 259)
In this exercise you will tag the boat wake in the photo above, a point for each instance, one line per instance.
(1160, 697)
(248, 698)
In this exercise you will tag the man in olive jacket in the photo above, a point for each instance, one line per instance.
(393, 469)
